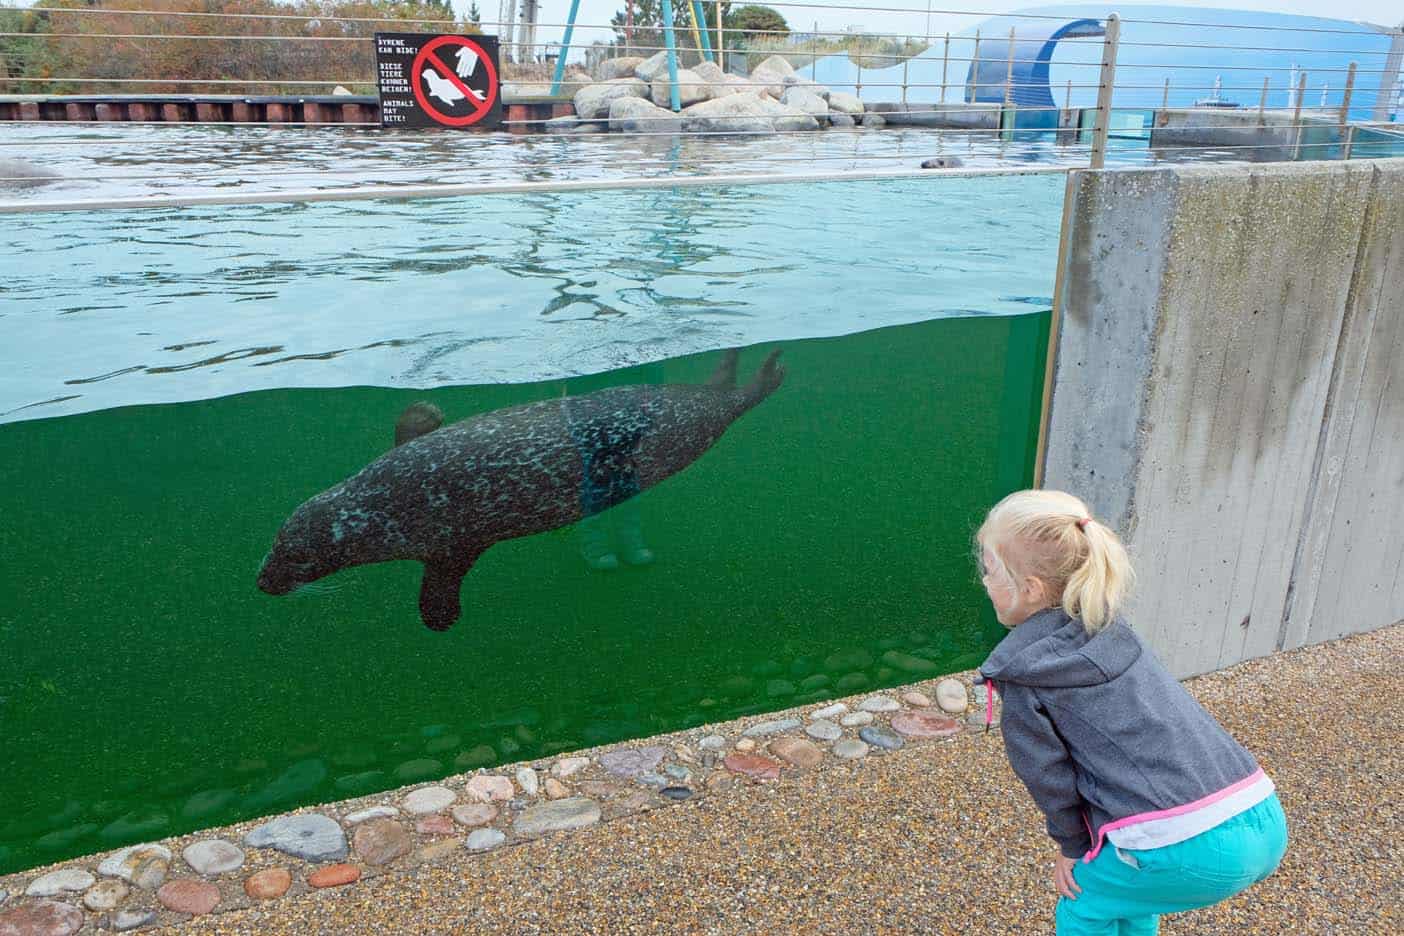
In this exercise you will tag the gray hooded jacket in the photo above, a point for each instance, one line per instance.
(1098, 730)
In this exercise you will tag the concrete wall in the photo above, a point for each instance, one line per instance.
(1229, 393)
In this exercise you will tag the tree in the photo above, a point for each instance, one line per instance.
(475, 16)
(753, 22)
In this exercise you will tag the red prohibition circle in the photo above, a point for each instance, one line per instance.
(430, 50)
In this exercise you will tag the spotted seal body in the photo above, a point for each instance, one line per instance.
(446, 496)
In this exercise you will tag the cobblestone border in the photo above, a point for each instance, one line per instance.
(337, 844)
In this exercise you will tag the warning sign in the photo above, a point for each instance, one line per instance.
(438, 80)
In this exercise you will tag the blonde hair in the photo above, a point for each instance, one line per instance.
(1051, 536)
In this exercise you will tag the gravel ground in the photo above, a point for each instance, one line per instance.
(931, 839)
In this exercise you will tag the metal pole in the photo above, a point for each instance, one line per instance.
(565, 48)
(1297, 115)
(1165, 98)
(1345, 99)
(973, 94)
(696, 28)
(1067, 96)
(858, 91)
(1009, 73)
(628, 26)
(721, 39)
(905, 63)
(1349, 142)
(670, 41)
(1262, 101)
(1105, 81)
(700, 14)
(945, 61)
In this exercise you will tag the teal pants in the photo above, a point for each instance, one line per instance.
(1124, 891)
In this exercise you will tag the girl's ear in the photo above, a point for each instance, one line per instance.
(1034, 589)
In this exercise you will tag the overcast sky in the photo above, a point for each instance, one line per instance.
(803, 18)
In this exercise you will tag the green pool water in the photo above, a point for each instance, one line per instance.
(820, 548)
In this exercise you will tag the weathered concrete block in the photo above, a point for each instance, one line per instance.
(1221, 331)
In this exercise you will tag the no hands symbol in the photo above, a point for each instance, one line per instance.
(445, 97)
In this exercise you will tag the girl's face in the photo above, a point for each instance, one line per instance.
(1014, 602)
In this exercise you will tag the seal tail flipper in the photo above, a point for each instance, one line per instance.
(724, 377)
(419, 418)
(767, 379)
(439, 605)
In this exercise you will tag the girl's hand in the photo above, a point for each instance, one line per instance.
(1063, 877)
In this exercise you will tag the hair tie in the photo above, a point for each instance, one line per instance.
(1082, 524)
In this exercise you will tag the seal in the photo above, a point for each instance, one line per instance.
(445, 496)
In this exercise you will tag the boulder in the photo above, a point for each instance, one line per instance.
(769, 76)
(635, 115)
(621, 67)
(837, 119)
(735, 113)
(874, 121)
(592, 101)
(691, 88)
(710, 72)
(653, 66)
(802, 99)
(813, 87)
(786, 118)
(564, 124)
(845, 103)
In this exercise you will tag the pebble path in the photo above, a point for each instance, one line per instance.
(798, 834)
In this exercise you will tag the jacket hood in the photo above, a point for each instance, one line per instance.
(1051, 649)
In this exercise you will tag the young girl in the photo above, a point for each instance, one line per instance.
(1154, 807)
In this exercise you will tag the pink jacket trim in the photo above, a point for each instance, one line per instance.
(1200, 803)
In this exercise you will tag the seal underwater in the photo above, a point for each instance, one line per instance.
(445, 496)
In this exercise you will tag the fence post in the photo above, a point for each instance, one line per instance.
(1165, 96)
(945, 61)
(1345, 99)
(905, 63)
(974, 91)
(1105, 81)
(1262, 101)
(1297, 116)
(1009, 72)
(721, 39)
(858, 91)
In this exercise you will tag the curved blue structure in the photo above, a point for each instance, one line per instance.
(1034, 42)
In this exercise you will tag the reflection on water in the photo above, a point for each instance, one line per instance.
(118, 308)
(818, 547)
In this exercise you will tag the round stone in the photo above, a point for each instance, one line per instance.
(555, 789)
(41, 918)
(856, 719)
(380, 841)
(430, 799)
(829, 711)
(980, 691)
(187, 895)
(916, 699)
(476, 814)
(569, 765)
(745, 745)
(850, 749)
(268, 883)
(105, 895)
(312, 836)
(374, 812)
(676, 792)
(435, 850)
(484, 839)
(434, 825)
(753, 766)
(59, 882)
(881, 737)
(879, 703)
(631, 762)
(124, 862)
(214, 856)
(125, 920)
(334, 875)
(576, 812)
(150, 872)
(489, 789)
(652, 779)
(822, 729)
(797, 751)
(924, 725)
(951, 697)
(527, 780)
(425, 768)
(713, 742)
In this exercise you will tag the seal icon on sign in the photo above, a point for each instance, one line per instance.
(455, 81)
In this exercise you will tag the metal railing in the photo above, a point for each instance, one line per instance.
(1081, 134)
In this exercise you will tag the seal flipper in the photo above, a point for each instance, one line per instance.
(439, 606)
(724, 377)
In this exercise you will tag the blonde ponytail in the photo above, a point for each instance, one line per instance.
(1051, 536)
